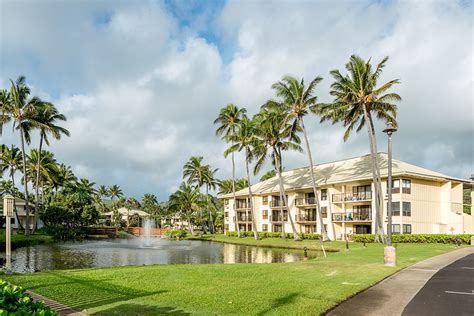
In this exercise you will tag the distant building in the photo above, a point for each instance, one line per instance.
(424, 201)
(21, 211)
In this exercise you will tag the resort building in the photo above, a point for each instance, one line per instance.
(423, 201)
(21, 212)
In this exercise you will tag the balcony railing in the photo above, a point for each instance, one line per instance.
(277, 218)
(351, 217)
(242, 205)
(277, 203)
(245, 218)
(352, 197)
(305, 218)
(305, 201)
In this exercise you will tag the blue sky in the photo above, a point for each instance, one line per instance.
(142, 81)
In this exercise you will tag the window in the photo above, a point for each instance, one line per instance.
(407, 228)
(406, 209)
(395, 186)
(13, 220)
(265, 200)
(406, 186)
(226, 202)
(324, 194)
(226, 214)
(396, 229)
(361, 192)
(324, 212)
(265, 214)
(265, 227)
(395, 208)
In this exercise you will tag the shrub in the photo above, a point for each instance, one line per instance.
(177, 233)
(419, 238)
(14, 301)
(263, 235)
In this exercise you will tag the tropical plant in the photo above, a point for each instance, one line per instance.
(102, 191)
(228, 119)
(226, 186)
(297, 99)
(15, 301)
(357, 98)
(246, 139)
(86, 186)
(115, 192)
(268, 175)
(275, 135)
(4, 103)
(186, 201)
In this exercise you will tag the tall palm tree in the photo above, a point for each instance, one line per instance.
(228, 120)
(210, 182)
(186, 201)
(11, 159)
(47, 115)
(115, 192)
(297, 101)
(246, 139)
(357, 98)
(268, 175)
(275, 135)
(22, 110)
(226, 186)
(102, 191)
(4, 102)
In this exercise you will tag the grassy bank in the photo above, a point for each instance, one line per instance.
(307, 287)
(20, 240)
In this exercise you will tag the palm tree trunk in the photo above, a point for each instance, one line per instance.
(330, 215)
(324, 235)
(233, 192)
(38, 165)
(252, 213)
(296, 236)
(14, 204)
(379, 234)
(211, 223)
(25, 177)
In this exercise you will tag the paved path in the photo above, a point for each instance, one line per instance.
(390, 296)
(63, 310)
(449, 292)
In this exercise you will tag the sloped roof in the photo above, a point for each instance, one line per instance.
(124, 211)
(348, 170)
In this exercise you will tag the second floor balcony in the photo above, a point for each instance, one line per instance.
(242, 204)
(244, 217)
(352, 217)
(277, 204)
(305, 218)
(351, 197)
(277, 218)
(307, 201)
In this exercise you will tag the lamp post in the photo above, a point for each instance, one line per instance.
(389, 251)
(8, 212)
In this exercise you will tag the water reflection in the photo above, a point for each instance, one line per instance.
(123, 252)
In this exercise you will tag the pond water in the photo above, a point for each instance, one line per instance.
(138, 251)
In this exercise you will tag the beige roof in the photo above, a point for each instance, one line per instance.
(124, 212)
(349, 170)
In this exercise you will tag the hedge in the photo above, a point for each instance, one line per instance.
(419, 238)
(262, 235)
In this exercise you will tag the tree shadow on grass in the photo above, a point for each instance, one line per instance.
(139, 310)
(288, 299)
(100, 292)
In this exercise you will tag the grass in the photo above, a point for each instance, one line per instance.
(306, 288)
(21, 240)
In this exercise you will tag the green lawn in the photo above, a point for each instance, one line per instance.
(20, 240)
(308, 287)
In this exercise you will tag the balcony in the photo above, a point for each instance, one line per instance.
(305, 218)
(277, 218)
(352, 217)
(244, 218)
(242, 205)
(352, 197)
(301, 202)
(277, 204)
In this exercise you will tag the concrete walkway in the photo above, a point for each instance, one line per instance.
(61, 309)
(390, 296)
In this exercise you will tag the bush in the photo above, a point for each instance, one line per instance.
(419, 238)
(177, 233)
(14, 301)
(263, 235)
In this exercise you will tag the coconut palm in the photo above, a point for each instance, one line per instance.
(4, 101)
(297, 99)
(275, 135)
(268, 175)
(86, 186)
(210, 182)
(115, 192)
(102, 191)
(357, 98)
(11, 160)
(186, 201)
(246, 139)
(228, 120)
(226, 186)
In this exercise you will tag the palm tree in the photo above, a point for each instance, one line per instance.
(4, 101)
(22, 111)
(11, 160)
(47, 115)
(210, 182)
(86, 186)
(268, 175)
(297, 101)
(274, 134)
(357, 98)
(228, 120)
(186, 200)
(102, 191)
(246, 139)
(226, 186)
(115, 191)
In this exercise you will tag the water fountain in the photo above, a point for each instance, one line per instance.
(147, 226)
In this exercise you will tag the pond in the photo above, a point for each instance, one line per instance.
(140, 251)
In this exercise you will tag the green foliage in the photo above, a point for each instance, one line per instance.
(419, 238)
(263, 235)
(14, 301)
(177, 233)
